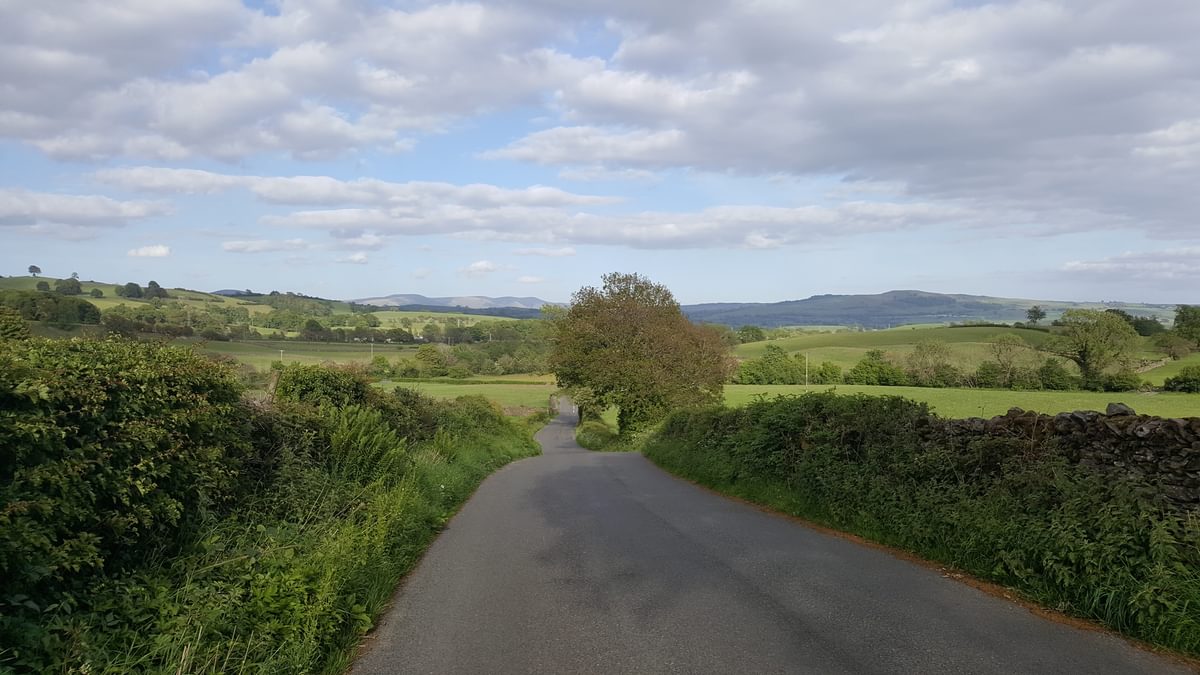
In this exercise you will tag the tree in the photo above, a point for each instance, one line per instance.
(35, 270)
(629, 344)
(1172, 345)
(68, 286)
(1094, 340)
(1035, 314)
(97, 293)
(875, 369)
(75, 276)
(153, 290)
(751, 334)
(929, 365)
(130, 290)
(1187, 323)
(1007, 349)
(42, 286)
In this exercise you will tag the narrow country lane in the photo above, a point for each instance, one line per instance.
(580, 562)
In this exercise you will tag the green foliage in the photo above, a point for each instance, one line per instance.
(1088, 543)
(52, 308)
(12, 326)
(311, 514)
(1035, 314)
(750, 334)
(68, 287)
(875, 369)
(631, 345)
(1053, 375)
(1188, 380)
(318, 385)
(108, 450)
(1123, 380)
(43, 286)
(130, 290)
(1094, 340)
(595, 435)
(96, 293)
(35, 270)
(1187, 323)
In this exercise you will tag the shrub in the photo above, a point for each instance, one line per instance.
(108, 449)
(989, 375)
(875, 369)
(1054, 375)
(1125, 380)
(1188, 380)
(319, 385)
(12, 326)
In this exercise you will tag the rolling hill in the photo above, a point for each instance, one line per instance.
(897, 308)
(467, 301)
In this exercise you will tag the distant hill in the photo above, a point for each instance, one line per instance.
(466, 301)
(896, 308)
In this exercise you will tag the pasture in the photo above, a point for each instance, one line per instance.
(506, 395)
(261, 353)
(990, 402)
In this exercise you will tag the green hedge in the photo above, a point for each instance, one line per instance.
(153, 521)
(1081, 541)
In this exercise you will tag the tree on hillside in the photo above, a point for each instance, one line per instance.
(153, 290)
(42, 286)
(629, 345)
(68, 286)
(929, 365)
(1094, 340)
(35, 270)
(130, 290)
(97, 293)
(1187, 323)
(751, 334)
(1035, 314)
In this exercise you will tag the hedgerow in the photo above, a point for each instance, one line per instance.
(153, 520)
(1088, 543)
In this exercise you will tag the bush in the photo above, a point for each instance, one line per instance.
(108, 450)
(1125, 380)
(875, 369)
(12, 326)
(318, 385)
(596, 435)
(1188, 380)
(1054, 376)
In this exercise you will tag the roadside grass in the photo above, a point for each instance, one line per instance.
(989, 402)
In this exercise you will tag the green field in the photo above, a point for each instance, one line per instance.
(417, 320)
(507, 395)
(991, 402)
(261, 353)
(891, 340)
(1158, 375)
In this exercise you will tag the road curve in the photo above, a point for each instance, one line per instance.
(581, 562)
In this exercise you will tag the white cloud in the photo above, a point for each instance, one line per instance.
(530, 280)
(547, 252)
(1180, 264)
(359, 258)
(152, 251)
(264, 245)
(479, 268)
(73, 216)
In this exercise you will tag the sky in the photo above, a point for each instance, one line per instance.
(761, 150)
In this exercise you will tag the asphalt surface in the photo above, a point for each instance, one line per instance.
(580, 562)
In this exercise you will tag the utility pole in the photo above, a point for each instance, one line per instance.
(281, 356)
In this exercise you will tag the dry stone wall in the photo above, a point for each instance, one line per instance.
(1158, 451)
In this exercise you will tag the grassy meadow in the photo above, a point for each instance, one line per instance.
(506, 395)
(261, 353)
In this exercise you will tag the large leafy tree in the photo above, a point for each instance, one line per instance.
(1187, 323)
(1094, 340)
(628, 344)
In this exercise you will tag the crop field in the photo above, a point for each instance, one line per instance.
(507, 395)
(990, 402)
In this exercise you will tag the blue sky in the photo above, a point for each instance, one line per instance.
(735, 151)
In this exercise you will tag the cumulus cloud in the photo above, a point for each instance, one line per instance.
(152, 251)
(358, 258)
(479, 268)
(1180, 264)
(71, 215)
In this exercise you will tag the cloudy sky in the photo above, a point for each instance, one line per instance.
(759, 150)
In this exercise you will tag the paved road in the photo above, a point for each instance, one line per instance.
(579, 562)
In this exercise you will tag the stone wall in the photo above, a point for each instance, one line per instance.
(1162, 452)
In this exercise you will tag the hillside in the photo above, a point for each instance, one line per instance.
(897, 308)
(466, 301)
